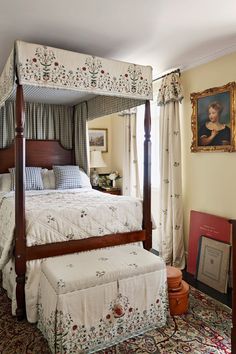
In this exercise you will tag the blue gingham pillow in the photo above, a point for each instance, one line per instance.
(33, 178)
(67, 177)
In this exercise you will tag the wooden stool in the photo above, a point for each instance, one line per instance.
(178, 291)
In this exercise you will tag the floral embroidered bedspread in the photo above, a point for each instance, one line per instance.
(55, 216)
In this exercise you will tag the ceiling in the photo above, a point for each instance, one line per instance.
(165, 34)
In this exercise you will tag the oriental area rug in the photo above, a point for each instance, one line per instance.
(204, 329)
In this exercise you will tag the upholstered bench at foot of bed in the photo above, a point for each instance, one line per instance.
(91, 300)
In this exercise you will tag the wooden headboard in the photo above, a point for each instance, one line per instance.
(39, 153)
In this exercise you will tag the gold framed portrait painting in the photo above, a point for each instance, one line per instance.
(213, 119)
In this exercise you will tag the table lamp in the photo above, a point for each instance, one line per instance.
(96, 161)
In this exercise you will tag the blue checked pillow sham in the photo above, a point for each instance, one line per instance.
(67, 177)
(33, 178)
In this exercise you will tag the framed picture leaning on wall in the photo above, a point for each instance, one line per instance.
(213, 119)
(213, 263)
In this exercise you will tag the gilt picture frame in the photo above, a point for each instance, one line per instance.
(98, 139)
(213, 119)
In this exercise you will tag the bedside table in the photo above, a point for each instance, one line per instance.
(114, 191)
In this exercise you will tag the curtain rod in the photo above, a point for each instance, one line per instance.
(171, 72)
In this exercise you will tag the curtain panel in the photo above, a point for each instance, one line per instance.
(171, 206)
(131, 177)
(42, 121)
(81, 136)
(45, 121)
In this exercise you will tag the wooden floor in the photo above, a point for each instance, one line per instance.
(223, 298)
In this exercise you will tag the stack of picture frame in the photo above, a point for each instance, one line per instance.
(214, 263)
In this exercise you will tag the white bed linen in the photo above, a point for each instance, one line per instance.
(53, 216)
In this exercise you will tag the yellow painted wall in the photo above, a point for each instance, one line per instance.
(117, 143)
(114, 157)
(209, 179)
(104, 123)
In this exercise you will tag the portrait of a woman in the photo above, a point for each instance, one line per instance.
(213, 120)
(213, 132)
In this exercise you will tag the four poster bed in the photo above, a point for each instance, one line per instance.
(96, 87)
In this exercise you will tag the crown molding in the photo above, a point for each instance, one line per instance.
(200, 61)
(209, 58)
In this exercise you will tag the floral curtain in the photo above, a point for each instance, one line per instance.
(171, 207)
(131, 183)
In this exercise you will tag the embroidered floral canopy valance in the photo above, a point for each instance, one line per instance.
(71, 77)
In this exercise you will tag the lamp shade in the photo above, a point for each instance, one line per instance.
(96, 159)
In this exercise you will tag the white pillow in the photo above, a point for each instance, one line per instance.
(49, 179)
(84, 179)
(5, 182)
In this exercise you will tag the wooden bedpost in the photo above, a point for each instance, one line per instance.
(147, 221)
(20, 239)
(73, 136)
(233, 255)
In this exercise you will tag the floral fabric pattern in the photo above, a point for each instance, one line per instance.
(62, 271)
(45, 66)
(204, 329)
(115, 310)
(54, 216)
(7, 79)
(170, 198)
(73, 338)
(171, 90)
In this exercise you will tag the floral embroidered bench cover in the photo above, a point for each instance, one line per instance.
(52, 68)
(121, 294)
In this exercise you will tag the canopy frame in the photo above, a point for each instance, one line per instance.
(133, 83)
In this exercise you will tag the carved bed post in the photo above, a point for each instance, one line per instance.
(20, 239)
(73, 136)
(147, 222)
(233, 331)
